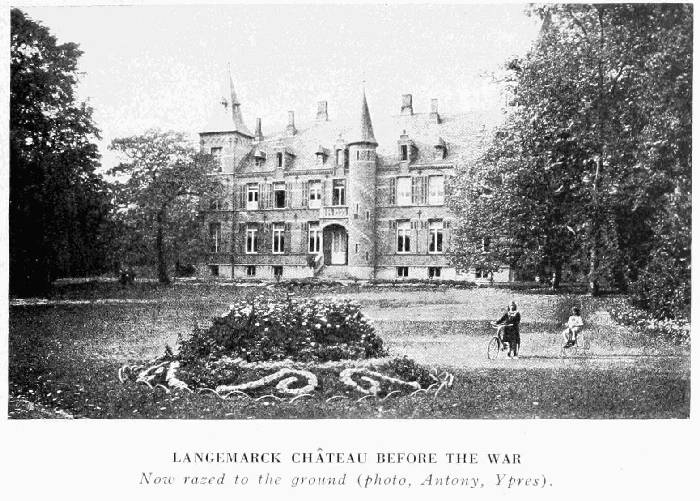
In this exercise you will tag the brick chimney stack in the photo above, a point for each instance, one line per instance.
(322, 111)
(434, 115)
(291, 129)
(407, 104)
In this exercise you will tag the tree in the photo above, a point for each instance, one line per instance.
(160, 189)
(58, 203)
(597, 131)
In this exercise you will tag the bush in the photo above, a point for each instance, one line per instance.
(299, 329)
(677, 331)
(407, 369)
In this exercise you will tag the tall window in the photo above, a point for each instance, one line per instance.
(404, 152)
(314, 238)
(280, 196)
(436, 190)
(251, 240)
(339, 192)
(278, 238)
(252, 197)
(280, 159)
(403, 191)
(436, 237)
(403, 236)
(216, 153)
(314, 194)
(215, 237)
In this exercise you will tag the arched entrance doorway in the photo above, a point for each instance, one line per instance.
(335, 245)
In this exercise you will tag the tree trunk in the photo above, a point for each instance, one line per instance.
(593, 270)
(160, 251)
(556, 277)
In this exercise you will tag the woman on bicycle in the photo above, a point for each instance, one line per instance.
(510, 329)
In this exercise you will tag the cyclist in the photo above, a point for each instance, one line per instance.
(509, 330)
(573, 327)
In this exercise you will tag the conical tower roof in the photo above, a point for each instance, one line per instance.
(363, 133)
(226, 116)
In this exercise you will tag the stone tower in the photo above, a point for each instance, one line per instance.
(362, 197)
(226, 135)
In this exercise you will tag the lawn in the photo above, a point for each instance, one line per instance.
(65, 357)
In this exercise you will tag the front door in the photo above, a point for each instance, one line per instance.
(339, 246)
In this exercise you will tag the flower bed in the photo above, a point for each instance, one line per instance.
(676, 330)
(279, 349)
(298, 329)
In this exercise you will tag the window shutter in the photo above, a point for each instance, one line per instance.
(287, 237)
(241, 196)
(415, 186)
(424, 190)
(304, 194)
(392, 191)
(325, 187)
(288, 189)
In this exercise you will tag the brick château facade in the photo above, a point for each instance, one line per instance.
(332, 201)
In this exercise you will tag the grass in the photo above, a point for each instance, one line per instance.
(66, 357)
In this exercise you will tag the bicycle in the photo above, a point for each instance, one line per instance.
(496, 345)
(581, 346)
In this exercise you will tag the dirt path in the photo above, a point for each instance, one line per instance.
(451, 328)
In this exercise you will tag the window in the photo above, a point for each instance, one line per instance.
(435, 237)
(481, 273)
(436, 190)
(314, 238)
(402, 271)
(367, 215)
(404, 152)
(216, 153)
(215, 237)
(434, 272)
(314, 194)
(280, 159)
(403, 191)
(277, 271)
(339, 192)
(339, 157)
(259, 161)
(250, 271)
(280, 195)
(214, 270)
(403, 237)
(278, 238)
(357, 248)
(251, 241)
(252, 197)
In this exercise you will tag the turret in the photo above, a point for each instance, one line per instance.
(362, 172)
(226, 135)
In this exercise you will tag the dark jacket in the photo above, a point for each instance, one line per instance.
(512, 332)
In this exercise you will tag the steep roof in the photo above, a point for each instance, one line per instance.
(364, 133)
(227, 116)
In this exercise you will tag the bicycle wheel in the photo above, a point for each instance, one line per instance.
(494, 348)
(571, 351)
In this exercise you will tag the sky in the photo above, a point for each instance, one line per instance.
(166, 66)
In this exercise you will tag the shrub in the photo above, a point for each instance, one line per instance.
(299, 329)
(407, 369)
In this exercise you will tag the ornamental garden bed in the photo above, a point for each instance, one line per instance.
(262, 348)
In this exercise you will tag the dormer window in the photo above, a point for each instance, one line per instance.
(321, 155)
(260, 158)
(406, 148)
(440, 149)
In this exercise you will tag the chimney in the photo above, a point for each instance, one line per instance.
(291, 130)
(322, 111)
(434, 115)
(258, 129)
(407, 104)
